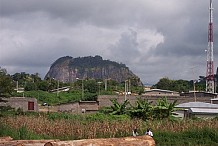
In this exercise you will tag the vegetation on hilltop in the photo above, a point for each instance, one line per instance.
(97, 61)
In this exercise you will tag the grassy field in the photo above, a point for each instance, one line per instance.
(69, 127)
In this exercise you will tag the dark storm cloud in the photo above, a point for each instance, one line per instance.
(153, 38)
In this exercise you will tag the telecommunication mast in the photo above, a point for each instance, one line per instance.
(210, 67)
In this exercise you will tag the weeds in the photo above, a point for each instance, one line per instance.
(69, 127)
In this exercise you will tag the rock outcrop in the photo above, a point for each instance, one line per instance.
(68, 69)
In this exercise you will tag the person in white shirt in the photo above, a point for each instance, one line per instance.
(149, 132)
(135, 133)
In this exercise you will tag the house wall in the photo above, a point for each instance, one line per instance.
(204, 115)
(161, 93)
(79, 107)
(22, 103)
(104, 100)
(91, 106)
(199, 94)
(214, 101)
(70, 107)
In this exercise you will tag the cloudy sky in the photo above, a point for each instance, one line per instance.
(154, 38)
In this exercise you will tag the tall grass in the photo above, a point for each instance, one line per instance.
(191, 137)
(69, 127)
(73, 128)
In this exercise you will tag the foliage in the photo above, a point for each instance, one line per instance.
(51, 98)
(180, 85)
(5, 83)
(163, 109)
(142, 110)
(117, 108)
(21, 133)
(205, 136)
(68, 126)
(90, 62)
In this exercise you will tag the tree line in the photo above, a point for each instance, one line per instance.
(33, 82)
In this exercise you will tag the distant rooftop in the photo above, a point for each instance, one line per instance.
(160, 90)
(214, 99)
(197, 105)
(204, 110)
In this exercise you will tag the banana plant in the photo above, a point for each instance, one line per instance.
(163, 108)
(118, 108)
(142, 109)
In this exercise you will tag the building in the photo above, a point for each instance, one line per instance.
(214, 100)
(199, 94)
(197, 109)
(160, 92)
(26, 104)
(79, 107)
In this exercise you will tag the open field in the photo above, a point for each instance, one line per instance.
(72, 127)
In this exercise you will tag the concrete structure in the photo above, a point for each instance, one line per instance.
(199, 94)
(26, 104)
(214, 101)
(203, 112)
(104, 100)
(158, 92)
(79, 107)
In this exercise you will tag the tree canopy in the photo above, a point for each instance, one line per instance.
(5, 83)
(180, 85)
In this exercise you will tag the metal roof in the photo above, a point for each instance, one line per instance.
(214, 99)
(160, 90)
(197, 105)
(204, 110)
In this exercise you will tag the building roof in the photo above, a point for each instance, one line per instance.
(160, 90)
(197, 105)
(204, 110)
(214, 99)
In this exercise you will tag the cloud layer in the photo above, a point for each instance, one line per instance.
(155, 39)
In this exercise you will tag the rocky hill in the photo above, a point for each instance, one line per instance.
(68, 69)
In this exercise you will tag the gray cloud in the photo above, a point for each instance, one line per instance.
(153, 38)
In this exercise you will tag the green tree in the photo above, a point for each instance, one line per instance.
(91, 86)
(174, 85)
(6, 84)
(164, 83)
(30, 86)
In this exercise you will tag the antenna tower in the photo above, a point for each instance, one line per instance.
(210, 66)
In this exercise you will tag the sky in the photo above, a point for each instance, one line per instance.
(154, 38)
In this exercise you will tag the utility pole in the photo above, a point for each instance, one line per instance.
(58, 89)
(126, 88)
(194, 81)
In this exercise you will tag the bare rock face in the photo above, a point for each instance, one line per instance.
(68, 69)
(125, 141)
